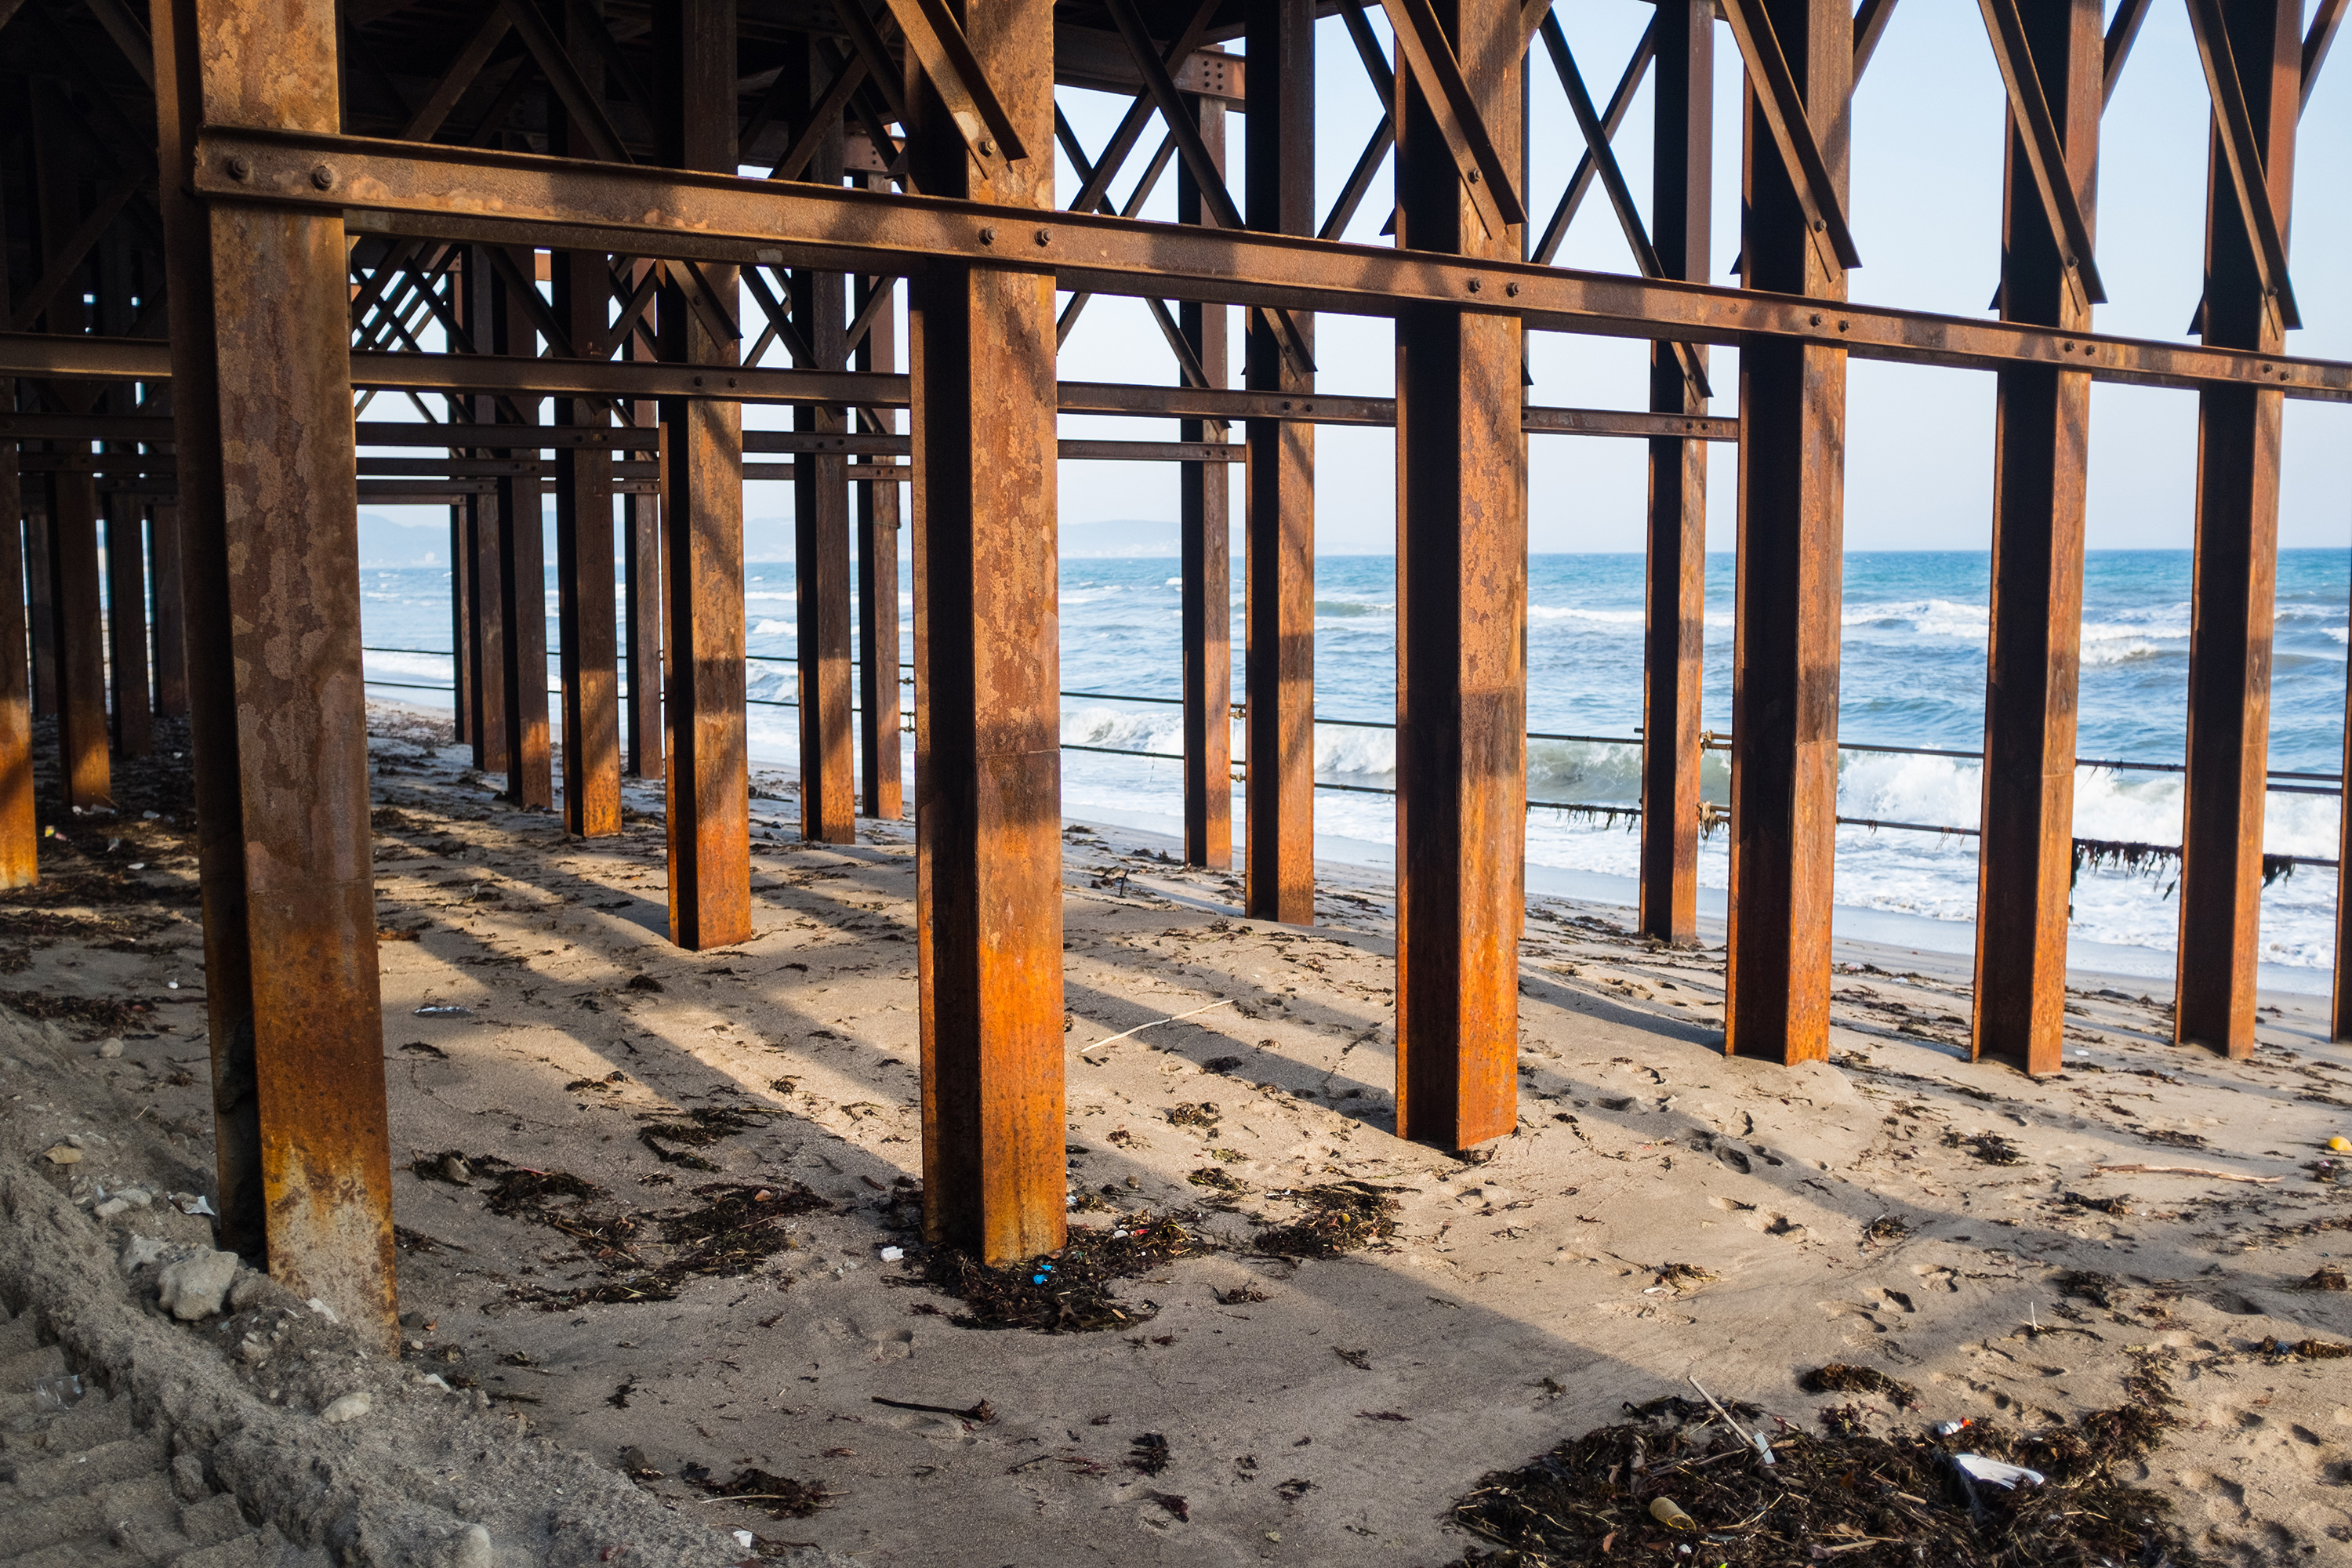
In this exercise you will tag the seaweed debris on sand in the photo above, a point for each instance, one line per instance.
(1860, 1499)
(1066, 1290)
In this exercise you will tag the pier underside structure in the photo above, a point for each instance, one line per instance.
(590, 233)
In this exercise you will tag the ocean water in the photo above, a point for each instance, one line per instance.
(1914, 653)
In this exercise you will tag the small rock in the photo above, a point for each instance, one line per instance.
(469, 1548)
(412, 1320)
(111, 1206)
(75, 1141)
(188, 1478)
(110, 1048)
(193, 1287)
(349, 1407)
(137, 1198)
(455, 1171)
(252, 1288)
(319, 1307)
(142, 1250)
(65, 1154)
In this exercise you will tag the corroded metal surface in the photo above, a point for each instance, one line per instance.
(1205, 502)
(881, 755)
(77, 627)
(269, 506)
(2026, 855)
(1784, 705)
(2234, 588)
(1461, 587)
(987, 664)
(19, 865)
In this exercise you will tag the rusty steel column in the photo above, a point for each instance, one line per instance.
(1204, 498)
(1462, 595)
(987, 665)
(587, 628)
(461, 667)
(2042, 453)
(19, 863)
(269, 502)
(40, 618)
(2340, 1012)
(824, 621)
(2236, 572)
(170, 618)
(77, 619)
(126, 623)
(1278, 513)
(1784, 703)
(1674, 653)
(641, 552)
(882, 757)
(702, 513)
(486, 644)
(522, 576)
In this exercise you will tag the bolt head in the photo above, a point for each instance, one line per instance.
(1044, 237)
(238, 169)
(1512, 289)
(1475, 285)
(987, 148)
(323, 177)
(988, 234)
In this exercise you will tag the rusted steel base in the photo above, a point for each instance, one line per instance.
(486, 642)
(269, 505)
(40, 583)
(19, 866)
(987, 715)
(78, 620)
(642, 551)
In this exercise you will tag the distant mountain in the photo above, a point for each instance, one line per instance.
(384, 542)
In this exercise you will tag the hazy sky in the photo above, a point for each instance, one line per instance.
(1926, 213)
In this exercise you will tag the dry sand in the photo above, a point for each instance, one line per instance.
(1312, 1411)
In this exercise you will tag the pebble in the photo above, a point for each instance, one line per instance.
(139, 1251)
(193, 1287)
(110, 1048)
(469, 1548)
(111, 1206)
(349, 1407)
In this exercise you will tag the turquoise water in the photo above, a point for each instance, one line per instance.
(1913, 651)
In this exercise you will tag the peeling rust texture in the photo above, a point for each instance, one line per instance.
(1674, 644)
(171, 627)
(1278, 612)
(702, 496)
(19, 862)
(987, 716)
(1206, 499)
(522, 580)
(79, 624)
(1785, 655)
(881, 751)
(2234, 590)
(1462, 575)
(2025, 875)
(270, 504)
(583, 576)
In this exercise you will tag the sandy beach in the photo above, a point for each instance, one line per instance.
(2012, 1249)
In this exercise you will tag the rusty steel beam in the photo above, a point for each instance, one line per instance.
(552, 200)
(881, 757)
(77, 626)
(643, 600)
(708, 773)
(522, 571)
(40, 619)
(134, 716)
(1278, 511)
(460, 634)
(1784, 705)
(2041, 446)
(486, 647)
(171, 618)
(823, 593)
(269, 510)
(1675, 582)
(2235, 576)
(1205, 502)
(987, 666)
(19, 862)
(588, 645)
(1461, 587)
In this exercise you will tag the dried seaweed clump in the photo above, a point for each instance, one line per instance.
(778, 1497)
(1340, 1217)
(739, 1226)
(701, 1130)
(2326, 1277)
(2309, 1350)
(1839, 1378)
(103, 1014)
(1068, 1291)
(1858, 1498)
(1990, 1148)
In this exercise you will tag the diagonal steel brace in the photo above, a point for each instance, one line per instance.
(1783, 109)
(2234, 123)
(2045, 155)
(939, 45)
(1423, 46)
